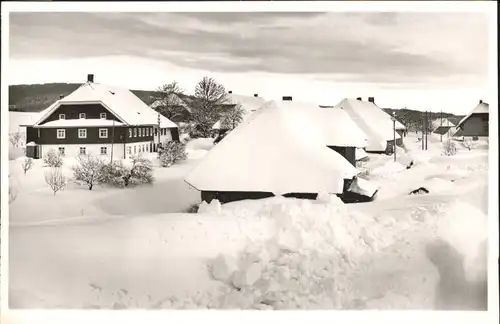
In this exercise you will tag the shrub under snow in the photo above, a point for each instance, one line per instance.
(449, 148)
(88, 170)
(55, 179)
(53, 159)
(172, 152)
(27, 164)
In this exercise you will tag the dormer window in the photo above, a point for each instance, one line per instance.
(62, 116)
(103, 115)
(82, 116)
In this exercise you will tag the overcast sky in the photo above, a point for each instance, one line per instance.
(418, 60)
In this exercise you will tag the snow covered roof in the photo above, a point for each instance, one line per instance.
(80, 123)
(481, 108)
(19, 119)
(120, 101)
(445, 122)
(175, 99)
(441, 130)
(372, 120)
(268, 154)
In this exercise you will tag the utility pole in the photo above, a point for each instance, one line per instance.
(394, 132)
(423, 127)
(441, 125)
(159, 139)
(112, 140)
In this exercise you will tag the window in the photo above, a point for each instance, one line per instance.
(147, 132)
(104, 150)
(103, 133)
(82, 133)
(140, 132)
(83, 150)
(130, 132)
(129, 150)
(62, 151)
(156, 131)
(82, 115)
(147, 148)
(62, 116)
(102, 115)
(135, 132)
(61, 133)
(151, 130)
(135, 149)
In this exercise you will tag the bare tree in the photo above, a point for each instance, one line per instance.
(55, 179)
(88, 170)
(468, 143)
(27, 164)
(15, 138)
(210, 98)
(12, 192)
(168, 102)
(232, 118)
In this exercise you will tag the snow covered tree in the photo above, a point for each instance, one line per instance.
(232, 118)
(88, 170)
(53, 159)
(449, 148)
(468, 143)
(140, 172)
(114, 173)
(172, 152)
(210, 98)
(55, 179)
(15, 138)
(168, 102)
(27, 164)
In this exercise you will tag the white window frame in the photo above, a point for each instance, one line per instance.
(135, 149)
(82, 129)
(140, 132)
(82, 116)
(135, 132)
(103, 115)
(129, 150)
(105, 150)
(103, 129)
(62, 116)
(84, 150)
(63, 149)
(130, 132)
(63, 132)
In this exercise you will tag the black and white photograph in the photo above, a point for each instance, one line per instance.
(334, 159)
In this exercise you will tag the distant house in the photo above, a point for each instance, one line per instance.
(476, 123)
(17, 120)
(375, 123)
(276, 152)
(443, 126)
(99, 120)
(340, 132)
(249, 104)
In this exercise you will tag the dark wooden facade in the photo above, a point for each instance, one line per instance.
(476, 125)
(349, 153)
(72, 111)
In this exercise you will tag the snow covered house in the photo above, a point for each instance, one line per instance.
(476, 123)
(443, 126)
(249, 104)
(374, 122)
(99, 120)
(267, 156)
(17, 130)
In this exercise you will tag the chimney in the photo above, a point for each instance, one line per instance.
(230, 91)
(287, 98)
(255, 95)
(359, 98)
(480, 101)
(90, 78)
(371, 99)
(61, 96)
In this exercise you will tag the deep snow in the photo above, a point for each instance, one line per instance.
(398, 252)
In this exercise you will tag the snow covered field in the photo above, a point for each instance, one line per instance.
(134, 248)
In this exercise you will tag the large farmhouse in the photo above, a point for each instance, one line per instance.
(267, 156)
(99, 120)
(476, 123)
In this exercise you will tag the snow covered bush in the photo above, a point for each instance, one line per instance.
(53, 159)
(172, 152)
(27, 164)
(141, 172)
(449, 148)
(88, 170)
(55, 179)
(468, 143)
(12, 192)
(114, 174)
(193, 209)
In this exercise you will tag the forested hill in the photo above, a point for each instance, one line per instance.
(36, 97)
